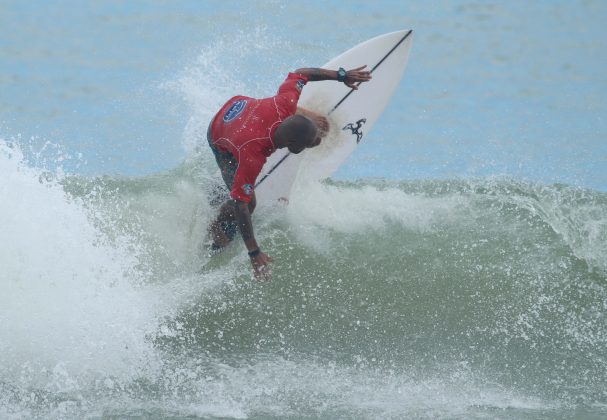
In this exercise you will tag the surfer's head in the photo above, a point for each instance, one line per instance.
(297, 132)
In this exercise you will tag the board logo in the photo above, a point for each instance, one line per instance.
(355, 128)
(234, 111)
(300, 84)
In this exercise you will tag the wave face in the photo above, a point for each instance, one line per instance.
(437, 299)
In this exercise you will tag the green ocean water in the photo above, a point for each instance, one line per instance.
(425, 299)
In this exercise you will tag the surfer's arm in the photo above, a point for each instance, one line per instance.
(243, 218)
(357, 75)
(242, 203)
(259, 260)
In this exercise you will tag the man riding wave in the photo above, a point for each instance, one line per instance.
(246, 131)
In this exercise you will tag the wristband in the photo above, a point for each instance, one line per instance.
(254, 253)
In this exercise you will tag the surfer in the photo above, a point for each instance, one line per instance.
(246, 131)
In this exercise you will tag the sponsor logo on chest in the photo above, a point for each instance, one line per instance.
(234, 110)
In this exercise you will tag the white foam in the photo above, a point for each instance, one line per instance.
(317, 208)
(69, 301)
(279, 387)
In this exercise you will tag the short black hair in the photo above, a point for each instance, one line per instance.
(300, 127)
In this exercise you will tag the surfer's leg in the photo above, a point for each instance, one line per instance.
(252, 203)
(223, 229)
(227, 165)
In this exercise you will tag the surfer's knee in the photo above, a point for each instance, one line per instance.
(228, 210)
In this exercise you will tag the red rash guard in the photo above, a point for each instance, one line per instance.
(245, 128)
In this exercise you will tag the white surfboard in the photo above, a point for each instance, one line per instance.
(351, 113)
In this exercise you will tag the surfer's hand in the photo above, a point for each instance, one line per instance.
(320, 120)
(322, 123)
(261, 266)
(357, 75)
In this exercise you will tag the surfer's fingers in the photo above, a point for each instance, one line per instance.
(360, 76)
(264, 273)
(359, 68)
(322, 123)
(261, 272)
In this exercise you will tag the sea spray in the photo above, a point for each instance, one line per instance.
(488, 292)
(70, 310)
